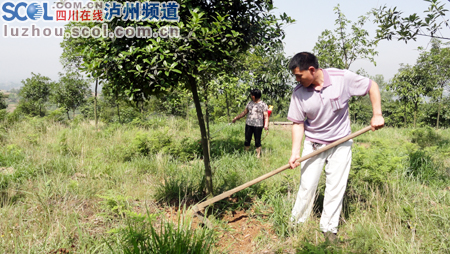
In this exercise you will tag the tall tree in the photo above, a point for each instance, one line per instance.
(261, 68)
(392, 23)
(267, 69)
(436, 62)
(212, 33)
(112, 99)
(70, 92)
(341, 47)
(36, 91)
(411, 84)
(232, 94)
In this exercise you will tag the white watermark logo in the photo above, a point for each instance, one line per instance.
(90, 12)
(95, 32)
(120, 32)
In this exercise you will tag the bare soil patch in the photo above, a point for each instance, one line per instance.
(6, 171)
(238, 233)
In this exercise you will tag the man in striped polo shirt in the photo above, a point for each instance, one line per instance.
(319, 110)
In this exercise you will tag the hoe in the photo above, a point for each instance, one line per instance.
(197, 209)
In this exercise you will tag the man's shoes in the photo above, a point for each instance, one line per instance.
(330, 237)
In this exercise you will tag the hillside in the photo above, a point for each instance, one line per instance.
(66, 186)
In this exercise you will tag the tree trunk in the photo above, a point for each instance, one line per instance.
(204, 140)
(343, 42)
(187, 110)
(95, 105)
(73, 113)
(439, 111)
(415, 114)
(68, 117)
(228, 106)
(118, 112)
(404, 116)
(207, 117)
(187, 116)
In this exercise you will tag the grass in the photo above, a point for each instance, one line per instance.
(73, 187)
(141, 236)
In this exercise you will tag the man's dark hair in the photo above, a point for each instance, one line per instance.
(256, 93)
(303, 60)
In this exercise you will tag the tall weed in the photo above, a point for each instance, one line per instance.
(423, 168)
(178, 190)
(281, 214)
(11, 157)
(114, 204)
(425, 137)
(365, 239)
(374, 164)
(155, 142)
(150, 123)
(323, 248)
(140, 236)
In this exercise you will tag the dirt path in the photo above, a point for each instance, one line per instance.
(242, 234)
(238, 232)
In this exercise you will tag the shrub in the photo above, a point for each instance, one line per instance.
(425, 137)
(87, 109)
(30, 108)
(114, 204)
(3, 134)
(160, 141)
(372, 165)
(150, 123)
(3, 115)
(140, 236)
(187, 149)
(38, 124)
(157, 141)
(127, 114)
(423, 168)
(365, 239)
(323, 248)
(11, 118)
(63, 145)
(57, 115)
(10, 156)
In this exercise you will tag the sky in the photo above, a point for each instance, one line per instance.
(19, 56)
(313, 17)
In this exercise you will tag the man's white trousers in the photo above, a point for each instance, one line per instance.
(337, 160)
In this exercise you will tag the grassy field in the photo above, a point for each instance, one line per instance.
(123, 188)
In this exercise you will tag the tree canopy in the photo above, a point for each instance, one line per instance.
(35, 91)
(410, 84)
(211, 35)
(436, 63)
(267, 69)
(392, 23)
(70, 92)
(341, 47)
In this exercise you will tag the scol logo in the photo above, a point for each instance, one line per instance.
(23, 11)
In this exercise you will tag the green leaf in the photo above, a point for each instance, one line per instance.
(154, 60)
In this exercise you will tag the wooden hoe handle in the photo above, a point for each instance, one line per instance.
(226, 194)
